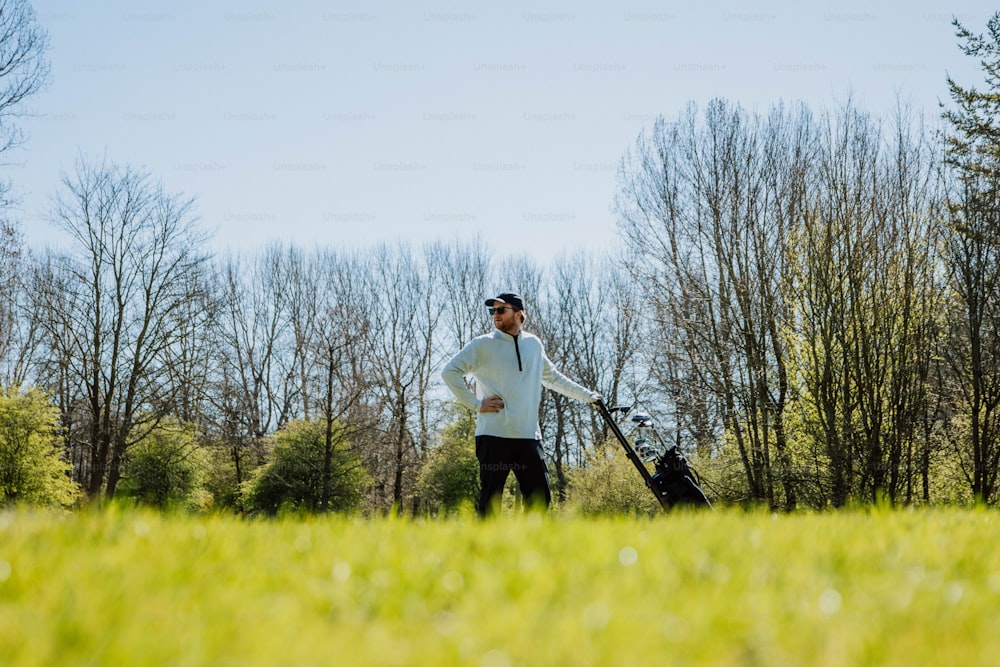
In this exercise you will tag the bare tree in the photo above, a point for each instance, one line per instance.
(464, 273)
(254, 371)
(915, 311)
(61, 361)
(869, 304)
(591, 323)
(972, 145)
(117, 298)
(17, 331)
(792, 267)
(404, 313)
(703, 213)
(302, 281)
(24, 69)
(189, 360)
(331, 332)
(550, 315)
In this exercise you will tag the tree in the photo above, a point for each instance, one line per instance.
(972, 153)
(590, 323)
(466, 271)
(403, 313)
(293, 479)
(792, 266)
(24, 71)
(333, 382)
(705, 210)
(869, 300)
(189, 359)
(113, 305)
(17, 333)
(248, 350)
(32, 467)
(23, 68)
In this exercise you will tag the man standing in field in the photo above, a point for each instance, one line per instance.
(510, 368)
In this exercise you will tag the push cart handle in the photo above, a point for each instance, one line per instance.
(630, 452)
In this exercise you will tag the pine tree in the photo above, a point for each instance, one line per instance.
(973, 147)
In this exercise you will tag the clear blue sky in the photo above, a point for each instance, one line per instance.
(352, 122)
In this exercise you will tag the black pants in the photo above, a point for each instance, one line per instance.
(498, 457)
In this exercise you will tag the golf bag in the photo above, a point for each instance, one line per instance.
(672, 480)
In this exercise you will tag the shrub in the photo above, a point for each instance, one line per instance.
(293, 479)
(163, 470)
(33, 470)
(449, 477)
(608, 483)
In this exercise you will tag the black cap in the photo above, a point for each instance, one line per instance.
(508, 298)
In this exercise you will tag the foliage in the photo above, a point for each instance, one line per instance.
(449, 478)
(164, 469)
(32, 468)
(608, 483)
(722, 477)
(219, 479)
(720, 588)
(292, 479)
(973, 143)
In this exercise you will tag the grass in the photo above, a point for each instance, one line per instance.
(726, 588)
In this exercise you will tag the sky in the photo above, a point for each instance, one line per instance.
(349, 123)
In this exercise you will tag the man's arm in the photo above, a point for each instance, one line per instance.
(454, 373)
(556, 381)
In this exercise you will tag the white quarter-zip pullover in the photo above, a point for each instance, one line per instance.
(514, 368)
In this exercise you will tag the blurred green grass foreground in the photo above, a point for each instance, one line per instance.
(725, 588)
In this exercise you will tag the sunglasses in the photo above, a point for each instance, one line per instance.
(501, 310)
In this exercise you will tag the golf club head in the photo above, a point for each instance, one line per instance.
(642, 420)
(646, 452)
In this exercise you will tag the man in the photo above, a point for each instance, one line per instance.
(510, 368)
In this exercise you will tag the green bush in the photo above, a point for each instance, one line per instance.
(164, 468)
(220, 476)
(449, 478)
(293, 479)
(609, 484)
(33, 470)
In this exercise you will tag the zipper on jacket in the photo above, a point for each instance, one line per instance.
(518, 351)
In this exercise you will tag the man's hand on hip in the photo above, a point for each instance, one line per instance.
(492, 404)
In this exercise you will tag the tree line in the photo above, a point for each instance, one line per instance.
(807, 302)
(134, 326)
(825, 288)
